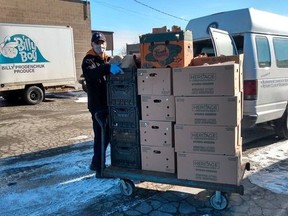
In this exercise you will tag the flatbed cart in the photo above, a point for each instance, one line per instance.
(218, 200)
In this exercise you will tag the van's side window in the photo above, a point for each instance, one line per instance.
(263, 51)
(281, 52)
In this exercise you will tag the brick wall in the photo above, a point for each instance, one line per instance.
(53, 12)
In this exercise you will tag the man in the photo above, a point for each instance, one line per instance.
(95, 68)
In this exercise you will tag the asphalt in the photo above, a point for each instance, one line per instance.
(54, 125)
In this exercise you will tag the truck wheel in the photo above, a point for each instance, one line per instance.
(33, 95)
(281, 126)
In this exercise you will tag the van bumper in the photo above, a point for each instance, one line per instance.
(249, 121)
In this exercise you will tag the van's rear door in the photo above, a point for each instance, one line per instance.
(223, 43)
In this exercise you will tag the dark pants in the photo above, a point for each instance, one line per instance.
(103, 116)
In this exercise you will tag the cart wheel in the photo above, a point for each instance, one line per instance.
(218, 201)
(127, 187)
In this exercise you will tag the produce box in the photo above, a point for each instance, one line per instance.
(154, 81)
(156, 133)
(208, 139)
(168, 49)
(158, 108)
(217, 111)
(214, 80)
(161, 159)
(210, 168)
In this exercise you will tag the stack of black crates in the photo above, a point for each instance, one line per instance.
(124, 116)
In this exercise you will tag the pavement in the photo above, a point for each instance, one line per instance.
(61, 125)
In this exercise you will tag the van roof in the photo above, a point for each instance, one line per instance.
(239, 21)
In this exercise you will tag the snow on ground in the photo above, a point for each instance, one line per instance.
(61, 177)
(270, 167)
(66, 174)
(81, 100)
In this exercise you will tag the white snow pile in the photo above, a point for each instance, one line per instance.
(58, 183)
(269, 167)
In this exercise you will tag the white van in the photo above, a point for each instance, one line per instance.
(263, 38)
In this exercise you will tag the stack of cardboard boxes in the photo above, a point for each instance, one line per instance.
(158, 114)
(190, 116)
(160, 51)
(208, 122)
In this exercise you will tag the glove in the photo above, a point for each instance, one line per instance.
(115, 69)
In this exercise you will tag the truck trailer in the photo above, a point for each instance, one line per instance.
(34, 58)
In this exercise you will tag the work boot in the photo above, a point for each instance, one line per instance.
(93, 167)
(98, 175)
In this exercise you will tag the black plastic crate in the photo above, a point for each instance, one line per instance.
(124, 94)
(124, 117)
(129, 75)
(125, 137)
(126, 157)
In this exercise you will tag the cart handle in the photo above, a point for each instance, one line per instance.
(103, 136)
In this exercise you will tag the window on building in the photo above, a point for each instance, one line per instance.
(263, 52)
(281, 52)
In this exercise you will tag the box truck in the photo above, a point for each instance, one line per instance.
(34, 58)
(263, 39)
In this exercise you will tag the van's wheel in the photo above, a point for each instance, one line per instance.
(33, 95)
(281, 126)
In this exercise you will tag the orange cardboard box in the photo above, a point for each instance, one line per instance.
(169, 49)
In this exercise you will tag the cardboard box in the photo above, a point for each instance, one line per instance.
(159, 30)
(154, 81)
(175, 28)
(215, 80)
(207, 139)
(210, 168)
(214, 60)
(156, 133)
(221, 59)
(161, 159)
(169, 49)
(158, 108)
(220, 111)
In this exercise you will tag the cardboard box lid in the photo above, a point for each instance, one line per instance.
(166, 36)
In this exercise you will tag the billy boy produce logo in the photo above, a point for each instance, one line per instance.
(18, 50)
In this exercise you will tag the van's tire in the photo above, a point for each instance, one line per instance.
(33, 95)
(281, 126)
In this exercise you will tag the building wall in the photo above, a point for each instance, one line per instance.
(53, 12)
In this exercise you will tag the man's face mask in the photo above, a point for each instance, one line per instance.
(99, 48)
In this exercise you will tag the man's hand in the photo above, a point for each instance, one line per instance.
(115, 69)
